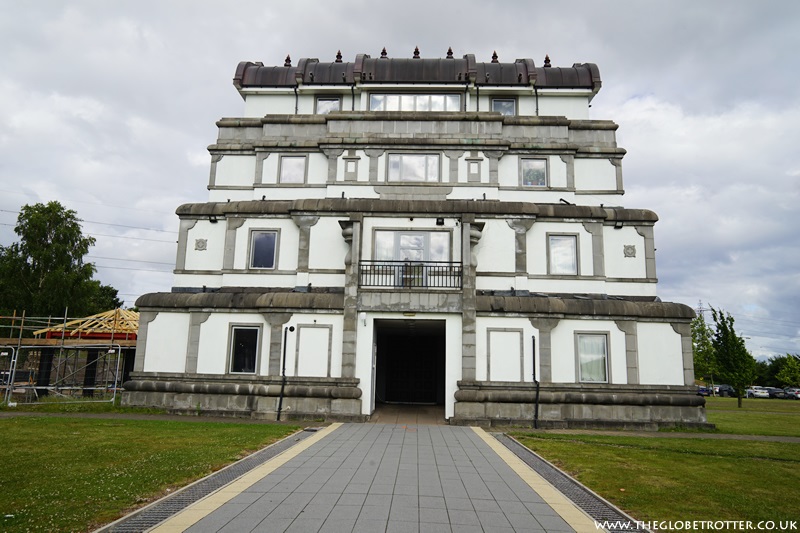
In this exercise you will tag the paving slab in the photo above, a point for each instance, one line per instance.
(386, 477)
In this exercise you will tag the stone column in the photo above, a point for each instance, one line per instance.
(145, 317)
(183, 242)
(569, 160)
(631, 350)
(685, 331)
(212, 177)
(649, 250)
(617, 162)
(494, 159)
(545, 327)
(453, 156)
(351, 232)
(471, 232)
(598, 247)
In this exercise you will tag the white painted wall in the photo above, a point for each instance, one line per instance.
(504, 348)
(236, 170)
(563, 358)
(211, 257)
(327, 248)
(660, 354)
(617, 265)
(258, 105)
(167, 339)
(595, 175)
(495, 250)
(574, 107)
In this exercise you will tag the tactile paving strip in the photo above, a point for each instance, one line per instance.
(596, 507)
(156, 513)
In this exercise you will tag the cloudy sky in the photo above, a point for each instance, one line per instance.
(108, 107)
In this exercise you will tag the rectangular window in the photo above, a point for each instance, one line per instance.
(414, 167)
(563, 254)
(412, 245)
(244, 349)
(592, 358)
(263, 248)
(415, 102)
(326, 105)
(533, 172)
(293, 169)
(504, 106)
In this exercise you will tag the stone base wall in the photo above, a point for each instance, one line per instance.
(651, 407)
(332, 399)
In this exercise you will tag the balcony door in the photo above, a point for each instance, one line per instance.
(412, 246)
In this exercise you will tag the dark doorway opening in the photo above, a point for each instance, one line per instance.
(410, 361)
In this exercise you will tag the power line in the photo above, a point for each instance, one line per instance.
(131, 238)
(93, 203)
(128, 268)
(106, 223)
(130, 260)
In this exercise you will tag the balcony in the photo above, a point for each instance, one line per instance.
(410, 274)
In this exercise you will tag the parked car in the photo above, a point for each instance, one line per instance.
(792, 393)
(724, 390)
(757, 392)
(703, 391)
(775, 392)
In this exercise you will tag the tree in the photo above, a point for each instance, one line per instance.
(44, 273)
(735, 364)
(705, 358)
(789, 375)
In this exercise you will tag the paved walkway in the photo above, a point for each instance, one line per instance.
(380, 477)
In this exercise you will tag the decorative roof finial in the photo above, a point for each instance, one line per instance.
(494, 57)
(384, 55)
(339, 56)
(546, 61)
(288, 62)
(449, 53)
(416, 52)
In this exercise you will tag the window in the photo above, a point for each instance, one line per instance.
(244, 349)
(504, 106)
(413, 167)
(292, 169)
(263, 248)
(412, 245)
(563, 253)
(592, 357)
(327, 104)
(533, 172)
(415, 102)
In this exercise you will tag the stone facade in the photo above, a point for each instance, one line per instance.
(417, 231)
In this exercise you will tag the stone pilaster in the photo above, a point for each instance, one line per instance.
(230, 241)
(183, 239)
(304, 222)
(598, 247)
(631, 349)
(649, 250)
(145, 317)
(545, 327)
(276, 322)
(193, 345)
(453, 156)
(351, 232)
(685, 331)
(494, 160)
(471, 232)
(521, 227)
(569, 160)
(373, 155)
(333, 161)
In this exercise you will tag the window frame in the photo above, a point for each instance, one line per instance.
(576, 240)
(459, 104)
(231, 357)
(505, 99)
(338, 100)
(401, 155)
(523, 160)
(251, 248)
(281, 167)
(397, 233)
(607, 356)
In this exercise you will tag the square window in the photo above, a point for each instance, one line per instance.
(327, 105)
(263, 247)
(563, 252)
(504, 106)
(592, 358)
(413, 167)
(244, 349)
(533, 172)
(293, 169)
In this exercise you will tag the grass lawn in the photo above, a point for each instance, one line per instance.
(758, 416)
(692, 479)
(73, 474)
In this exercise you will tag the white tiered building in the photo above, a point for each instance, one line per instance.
(422, 231)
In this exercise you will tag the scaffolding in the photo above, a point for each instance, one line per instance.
(81, 359)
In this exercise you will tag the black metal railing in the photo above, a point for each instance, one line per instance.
(410, 274)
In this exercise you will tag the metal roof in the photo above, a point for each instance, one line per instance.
(389, 70)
